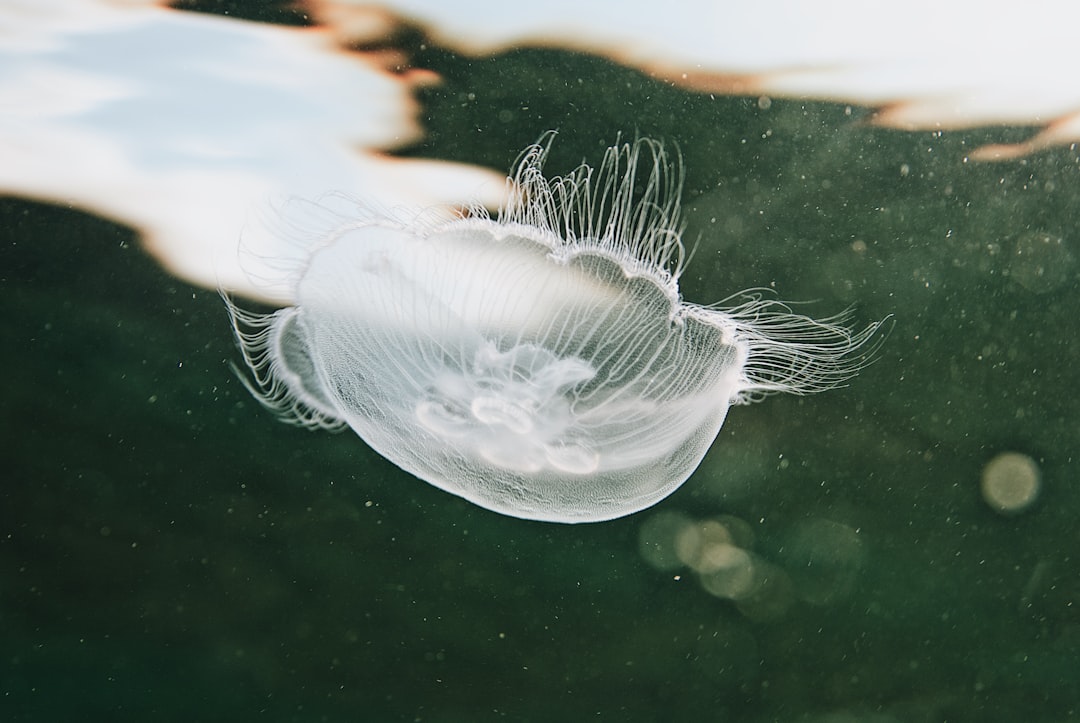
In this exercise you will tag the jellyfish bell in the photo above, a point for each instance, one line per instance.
(541, 363)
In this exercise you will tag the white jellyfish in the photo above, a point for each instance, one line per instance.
(541, 364)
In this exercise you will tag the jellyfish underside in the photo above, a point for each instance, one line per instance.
(541, 365)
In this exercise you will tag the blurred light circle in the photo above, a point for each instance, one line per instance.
(728, 572)
(657, 539)
(1011, 482)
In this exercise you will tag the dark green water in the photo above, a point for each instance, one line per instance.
(168, 551)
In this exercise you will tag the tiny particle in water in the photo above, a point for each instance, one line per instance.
(1041, 262)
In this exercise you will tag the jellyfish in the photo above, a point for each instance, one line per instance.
(540, 363)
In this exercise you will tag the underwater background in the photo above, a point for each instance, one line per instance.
(169, 551)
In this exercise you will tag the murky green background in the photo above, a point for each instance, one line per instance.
(169, 551)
